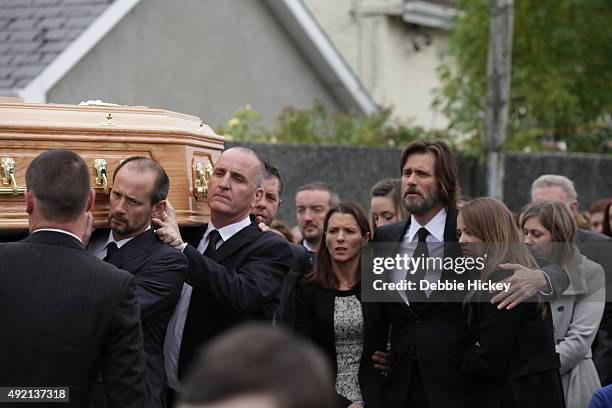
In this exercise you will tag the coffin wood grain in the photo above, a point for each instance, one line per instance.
(171, 138)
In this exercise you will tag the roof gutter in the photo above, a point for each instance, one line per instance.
(429, 15)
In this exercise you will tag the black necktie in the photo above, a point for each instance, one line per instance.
(421, 253)
(111, 248)
(213, 238)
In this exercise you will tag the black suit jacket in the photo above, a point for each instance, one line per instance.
(515, 363)
(315, 321)
(65, 316)
(434, 335)
(301, 265)
(159, 272)
(242, 283)
(598, 248)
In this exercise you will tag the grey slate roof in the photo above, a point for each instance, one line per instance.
(34, 32)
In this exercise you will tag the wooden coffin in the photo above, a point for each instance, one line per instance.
(104, 135)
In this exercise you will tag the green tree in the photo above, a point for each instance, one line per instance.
(561, 72)
(316, 125)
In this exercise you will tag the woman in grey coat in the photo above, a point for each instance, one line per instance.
(549, 227)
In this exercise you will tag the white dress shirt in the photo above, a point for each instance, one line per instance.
(435, 247)
(174, 333)
(99, 248)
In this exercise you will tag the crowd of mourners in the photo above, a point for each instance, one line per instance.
(246, 311)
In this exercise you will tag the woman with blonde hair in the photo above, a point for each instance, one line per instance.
(386, 204)
(513, 360)
(550, 228)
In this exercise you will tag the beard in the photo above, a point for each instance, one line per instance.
(420, 205)
(124, 227)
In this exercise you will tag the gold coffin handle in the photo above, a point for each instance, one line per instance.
(100, 168)
(9, 185)
(202, 176)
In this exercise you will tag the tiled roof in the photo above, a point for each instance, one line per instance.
(34, 32)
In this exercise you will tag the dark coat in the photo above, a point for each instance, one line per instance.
(514, 364)
(598, 248)
(66, 316)
(301, 265)
(159, 272)
(241, 283)
(435, 334)
(315, 320)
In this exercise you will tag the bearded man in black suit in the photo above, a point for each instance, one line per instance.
(66, 315)
(139, 192)
(429, 337)
(236, 271)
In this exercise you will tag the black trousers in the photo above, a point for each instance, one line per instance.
(417, 397)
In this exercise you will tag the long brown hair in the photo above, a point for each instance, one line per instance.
(491, 221)
(557, 219)
(606, 228)
(323, 275)
(445, 167)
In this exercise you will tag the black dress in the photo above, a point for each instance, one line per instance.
(349, 332)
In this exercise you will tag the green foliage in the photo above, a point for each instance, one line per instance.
(316, 125)
(561, 72)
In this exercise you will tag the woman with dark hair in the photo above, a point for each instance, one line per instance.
(550, 228)
(386, 205)
(329, 310)
(513, 360)
(606, 224)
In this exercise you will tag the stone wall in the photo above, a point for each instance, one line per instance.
(352, 171)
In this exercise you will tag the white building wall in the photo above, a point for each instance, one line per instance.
(379, 47)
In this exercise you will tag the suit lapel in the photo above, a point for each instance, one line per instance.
(138, 245)
(237, 241)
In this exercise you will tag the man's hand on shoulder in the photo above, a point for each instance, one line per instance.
(89, 228)
(524, 283)
(167, 229)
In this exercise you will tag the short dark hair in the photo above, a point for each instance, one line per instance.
(323, 275)
(146, 164)
(59, 179)
(272, 171)
(321, 186)
(445, 167)
(261, 359)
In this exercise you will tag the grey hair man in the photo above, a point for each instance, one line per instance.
(235, 270)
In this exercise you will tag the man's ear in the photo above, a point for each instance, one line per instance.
(259, 193)
(29, 202)
(91, 199)
(574, 207)
(159, 209)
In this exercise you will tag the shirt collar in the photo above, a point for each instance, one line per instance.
(58, 230)
(435, 226)
(307, 246)
(121, 242)
(229, 230)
